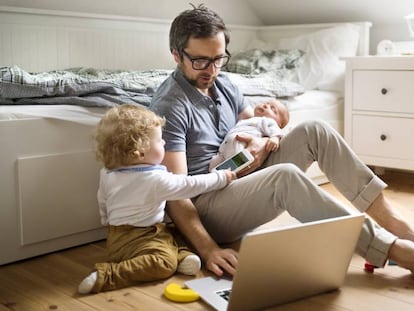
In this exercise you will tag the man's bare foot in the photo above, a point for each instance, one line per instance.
(402, 252)
(390, 218)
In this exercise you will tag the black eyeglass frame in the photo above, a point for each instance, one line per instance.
(209, 61)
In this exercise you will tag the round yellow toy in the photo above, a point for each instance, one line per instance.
(177, 293)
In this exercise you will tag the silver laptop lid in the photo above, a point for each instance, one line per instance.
(281, 265)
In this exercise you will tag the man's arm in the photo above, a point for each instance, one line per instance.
(185, 217)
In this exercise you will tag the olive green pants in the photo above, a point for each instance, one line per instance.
(139, 255)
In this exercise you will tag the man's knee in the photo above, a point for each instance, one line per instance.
(315, 125)
(288, 169)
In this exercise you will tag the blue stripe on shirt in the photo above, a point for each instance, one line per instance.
(139, 168)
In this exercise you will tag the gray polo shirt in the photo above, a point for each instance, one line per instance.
(195, 123)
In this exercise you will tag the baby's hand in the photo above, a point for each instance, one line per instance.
(272, 144)
(230, 176)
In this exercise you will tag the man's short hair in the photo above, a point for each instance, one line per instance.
(199, 22)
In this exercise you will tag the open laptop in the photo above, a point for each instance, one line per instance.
(282, 265)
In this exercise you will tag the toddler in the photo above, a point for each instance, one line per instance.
(132, 195)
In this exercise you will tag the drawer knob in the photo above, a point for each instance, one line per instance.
(384, 91)
(383, 137)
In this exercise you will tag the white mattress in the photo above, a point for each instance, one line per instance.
(314, 104)
(78, 114)
(317, 105)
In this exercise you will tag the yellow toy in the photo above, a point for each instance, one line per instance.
(177, 293)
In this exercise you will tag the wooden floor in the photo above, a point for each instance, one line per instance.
(49, 282)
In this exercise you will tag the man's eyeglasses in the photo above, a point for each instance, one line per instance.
(201, 63)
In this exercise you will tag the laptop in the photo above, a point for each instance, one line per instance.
(282, 265)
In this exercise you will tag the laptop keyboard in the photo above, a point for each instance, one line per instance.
(225, 294)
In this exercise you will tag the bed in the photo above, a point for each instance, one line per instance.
(49, 175)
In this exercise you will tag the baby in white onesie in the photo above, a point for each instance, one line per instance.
(269, 119)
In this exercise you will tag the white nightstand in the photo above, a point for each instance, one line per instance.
(379, 110)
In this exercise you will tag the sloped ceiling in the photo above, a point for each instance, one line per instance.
(278, 12)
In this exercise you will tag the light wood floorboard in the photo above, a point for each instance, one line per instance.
(49, 282)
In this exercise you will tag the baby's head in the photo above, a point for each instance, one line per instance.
(124, 135)
(273, 109)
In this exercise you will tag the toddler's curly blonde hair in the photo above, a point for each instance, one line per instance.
(121, 132)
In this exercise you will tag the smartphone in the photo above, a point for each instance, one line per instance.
(237, 162)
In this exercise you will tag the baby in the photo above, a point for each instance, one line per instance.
(132, 194)
(270, 117)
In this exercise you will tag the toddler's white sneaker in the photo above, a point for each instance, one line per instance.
(190, 265)
(88, 283)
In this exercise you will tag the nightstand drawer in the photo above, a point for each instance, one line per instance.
(383, 90)
(383, 137)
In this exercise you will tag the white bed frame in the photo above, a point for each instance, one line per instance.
(49, 176)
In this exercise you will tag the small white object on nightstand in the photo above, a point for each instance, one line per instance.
(386, 47)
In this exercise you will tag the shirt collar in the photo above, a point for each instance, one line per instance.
(193, 94)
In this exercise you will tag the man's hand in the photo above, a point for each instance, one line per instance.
(257, 147)
(221, 260)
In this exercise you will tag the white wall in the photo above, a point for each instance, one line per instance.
(386, 15)
(163, 9)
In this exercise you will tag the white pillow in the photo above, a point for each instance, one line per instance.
(322, 69)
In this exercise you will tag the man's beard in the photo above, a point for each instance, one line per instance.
(199, 83)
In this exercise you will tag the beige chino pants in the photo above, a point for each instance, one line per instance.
(281, 185)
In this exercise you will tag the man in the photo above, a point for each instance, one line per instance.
(200, 106)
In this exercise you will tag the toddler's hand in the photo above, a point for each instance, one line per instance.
(230, 176)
